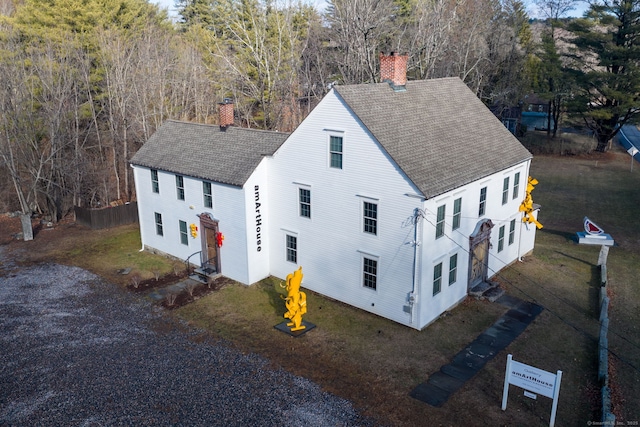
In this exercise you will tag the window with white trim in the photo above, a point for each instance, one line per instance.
(512, 231)
(505, 191)
(483, 201)
(516, 185)
(208, 197)
(155, 184)
(501, 239)
(292, 248)
(457, 214)
(335, 151)
(437, 279)
(184, 236)
(453, 269)
(304, 196)
(180, 187)
(159, 229)
(369, 273)
(440, 221)
(370, 216)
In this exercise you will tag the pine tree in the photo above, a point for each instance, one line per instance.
(605, 67)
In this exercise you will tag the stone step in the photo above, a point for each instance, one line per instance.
(487, 290)
(198, 278)
(205, 271)
(493, 294)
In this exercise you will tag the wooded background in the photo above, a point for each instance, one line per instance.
(84, 83)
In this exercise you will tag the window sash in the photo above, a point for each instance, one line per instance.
(370, 218)
(453, 269)
(292, 248)
(483, 201)
(305, 202)
(505, 191)
(457, 214)
(155, 184)
(370, 273)
(208, 197)
(159, 229)
(440, 221)
(184, 237)
(512, 231)
(501, 239)
(516, 185)
(180, 187)
(335, 151)
(437, 279)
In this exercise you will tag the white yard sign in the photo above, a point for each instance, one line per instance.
(532, 380)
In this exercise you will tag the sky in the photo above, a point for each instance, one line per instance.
(170, 5)
(579, 10)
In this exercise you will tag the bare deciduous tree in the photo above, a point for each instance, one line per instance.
(359, 30)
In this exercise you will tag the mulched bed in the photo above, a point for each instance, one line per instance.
(201, 290)
(183, 298)
(147, 285)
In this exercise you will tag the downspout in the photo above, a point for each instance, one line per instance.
(417, 262)
(520, 237)
(521, 216)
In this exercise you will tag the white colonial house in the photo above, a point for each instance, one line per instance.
(398, 198)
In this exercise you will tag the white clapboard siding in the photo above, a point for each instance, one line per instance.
(257, 201)
(331, 244)
(228, 208)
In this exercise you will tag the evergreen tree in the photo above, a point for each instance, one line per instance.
(605, 67)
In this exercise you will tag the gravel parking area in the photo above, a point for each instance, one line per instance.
(76, 351)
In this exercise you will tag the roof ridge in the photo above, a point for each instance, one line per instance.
(214, 125)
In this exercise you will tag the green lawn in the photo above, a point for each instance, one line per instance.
(375, 363)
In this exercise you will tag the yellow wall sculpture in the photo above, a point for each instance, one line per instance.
(527, 204)
(296, 301)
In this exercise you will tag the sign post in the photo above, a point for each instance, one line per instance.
(632, 151)
(532, 380)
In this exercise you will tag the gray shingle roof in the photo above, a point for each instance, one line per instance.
(204, 151)
(437, 131)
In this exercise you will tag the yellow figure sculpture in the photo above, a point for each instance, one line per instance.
(296, 301)
(527, 204)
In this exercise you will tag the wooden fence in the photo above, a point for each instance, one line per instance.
(108, 217)
(608, 418)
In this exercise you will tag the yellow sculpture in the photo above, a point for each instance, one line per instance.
(296, 301)
(527, 204)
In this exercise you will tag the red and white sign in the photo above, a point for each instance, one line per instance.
(591, 227)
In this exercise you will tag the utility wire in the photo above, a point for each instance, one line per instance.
(424, 215)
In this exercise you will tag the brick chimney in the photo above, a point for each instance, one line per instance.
(225, 113)
(393, 70)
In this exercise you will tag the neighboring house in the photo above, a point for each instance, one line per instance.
(387, 200)
(535, 114)
(509, 116)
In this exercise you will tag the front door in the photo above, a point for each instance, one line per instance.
(210, 257)
(479, 243)
(210, 250)
(478, 270)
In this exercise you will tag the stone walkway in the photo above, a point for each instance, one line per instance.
(442, 384)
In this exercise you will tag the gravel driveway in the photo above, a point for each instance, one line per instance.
(76, 351)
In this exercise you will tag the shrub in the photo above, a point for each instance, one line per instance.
(190, 287)
(170, 298)
(135, 280)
